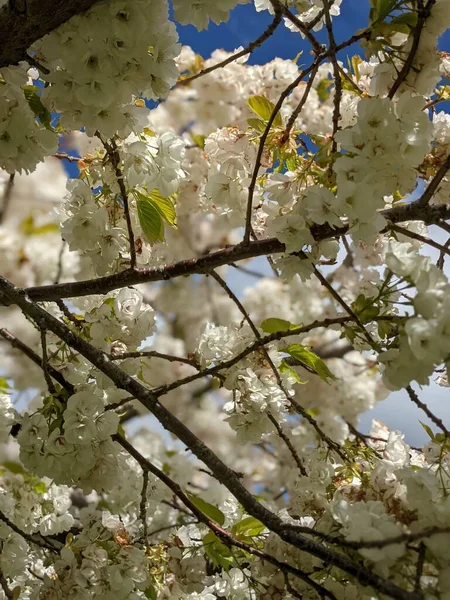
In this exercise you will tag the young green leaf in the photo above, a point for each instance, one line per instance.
(34, 102)
(310, 360)
(285, 368)
(427, 429)
(217, 552)
(264, 109)
(248, 527)
(257, 124)
(274, 325)
(165, 207)
(208, 509)
(150, 220)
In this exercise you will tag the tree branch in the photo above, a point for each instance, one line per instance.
(221, 471)
(19, 30)
(204, 264)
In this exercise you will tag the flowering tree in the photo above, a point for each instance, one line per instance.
(117, 303)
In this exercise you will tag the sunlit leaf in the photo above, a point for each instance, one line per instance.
(274, 325)
(35, 103)
(311, 360)
(208, 509)
(264, 109)
(150, 220)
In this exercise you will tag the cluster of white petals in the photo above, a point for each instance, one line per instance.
(207, 311)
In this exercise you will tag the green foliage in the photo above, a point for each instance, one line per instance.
(264, 108)
(208, 509)
(274, 325)
(153, 211)
(311, 361)
(28, 227)
(365, 308)
(249, 527)
(218, 553)
(34, 102)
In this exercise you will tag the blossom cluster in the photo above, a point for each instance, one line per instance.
(179, 421)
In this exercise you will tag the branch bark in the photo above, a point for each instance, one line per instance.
(414, 211)
(219, 469)
(23, 23)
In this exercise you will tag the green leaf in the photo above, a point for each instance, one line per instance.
(217, 552)
(274, 325)
(257, 124)
(40, 487)
(13, 467)
(150, 593)
(264, 108)
(427, 429)
(381, 9)
(355, 62)
(150, 219)
(28, 227)
(291, 162)
(4, 385)
(404, 22)
(248, 527)
(365, 309)
(34, 102)
(165, 207)
(323, 89)
(208, 509)
(199, 140)
(285, 368)
(310, 360)
(16, 592)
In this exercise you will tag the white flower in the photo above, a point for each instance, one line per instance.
(200, 12)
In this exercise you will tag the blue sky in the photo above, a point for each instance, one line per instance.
(245, 25)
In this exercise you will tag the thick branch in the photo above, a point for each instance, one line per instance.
(204, 264)
(19, 29)
(220, 470)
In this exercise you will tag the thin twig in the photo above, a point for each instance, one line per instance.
(31, 354)
(298, 461)
(143, 504)
(441, 259)
(32, 539)
(5, 587)
(154, 354)
(345, 306)
(298, 109)
(422, 13)
(59, 269)
(421, 238)
(114, 156)
(434, 183)
(436, 420)
(6, 197)
(48, 379)
(70, 316)
(419, 567)
(248, 50)
(337, 79)
(305, 29)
